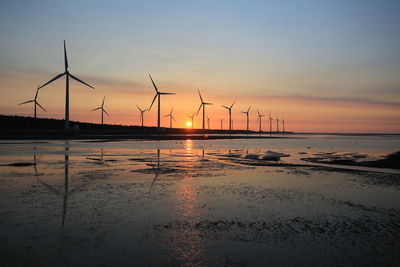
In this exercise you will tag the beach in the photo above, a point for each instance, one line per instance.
(237, 202)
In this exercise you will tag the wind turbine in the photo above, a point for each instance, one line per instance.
(36, 103)
(270, 122)
(283, 124)
(221, 123)
(203, 104)
(67, 75)
(259, 120)
(277, 124)
(102, 110)
(247, 116)
(158, 94)
(141, 114)
(208, 123)
(170, 117)
(191, 117)
(230, 114)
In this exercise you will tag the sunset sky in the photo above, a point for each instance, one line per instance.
(326, 66)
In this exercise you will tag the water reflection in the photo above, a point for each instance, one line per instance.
(65, 197)
(188, 246)
(53, 189)
(156, 171)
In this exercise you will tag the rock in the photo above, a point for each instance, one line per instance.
(271, 155)
(251, 156)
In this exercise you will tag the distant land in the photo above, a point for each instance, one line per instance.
(19, 127)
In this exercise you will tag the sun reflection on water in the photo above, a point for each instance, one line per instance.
(188, 246)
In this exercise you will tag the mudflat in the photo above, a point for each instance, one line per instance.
(197, 202)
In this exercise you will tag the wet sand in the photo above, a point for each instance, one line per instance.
(192, 203)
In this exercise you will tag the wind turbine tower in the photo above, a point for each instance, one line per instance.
(157, 95)
(67, 76)
(277, 124)
(191, 118)
(202, 104)
(36, 103)
(142, 111)
(102, 110)
(170, 117)
(230, 114)
(247, 117)
(270, 122)
(259, 120)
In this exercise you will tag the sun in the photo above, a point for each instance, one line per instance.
(188, 124)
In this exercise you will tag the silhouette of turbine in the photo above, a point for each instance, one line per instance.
(270, 122)
(158, 94)
(247, 117)
(170, 117)
(191, 117)
(142, 114)
(277, 124)
(283, 124)
(67, 75)
(259, 120)
(102, 110)
(208, 123)
(230, 114)
(36, 103)
(203, 104)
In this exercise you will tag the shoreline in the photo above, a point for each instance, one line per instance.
(138, 137)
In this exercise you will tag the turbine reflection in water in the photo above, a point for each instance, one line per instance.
(53, 188)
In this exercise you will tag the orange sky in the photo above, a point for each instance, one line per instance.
(301, 113)
(324, 66)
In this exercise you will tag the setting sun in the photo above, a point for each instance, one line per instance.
(188, 124)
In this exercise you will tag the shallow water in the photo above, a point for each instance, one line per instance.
(196, 203)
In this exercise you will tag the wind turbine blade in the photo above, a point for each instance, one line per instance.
(199, 109)
(52, 80)
(173, 117)
(233, 104)
(200, 96)
(65, 57)
(96, 109)
(37, 91)
(155, 86)
(144, 110)
(102, 103)
(167, 93)
(152, 102)
(258, 112)
(76, 79)
(248, 109)
(40, 106)
(106, 112)
(167, 115)
(26, 102)
(205, 103)
(224, 106)
(139, 108)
